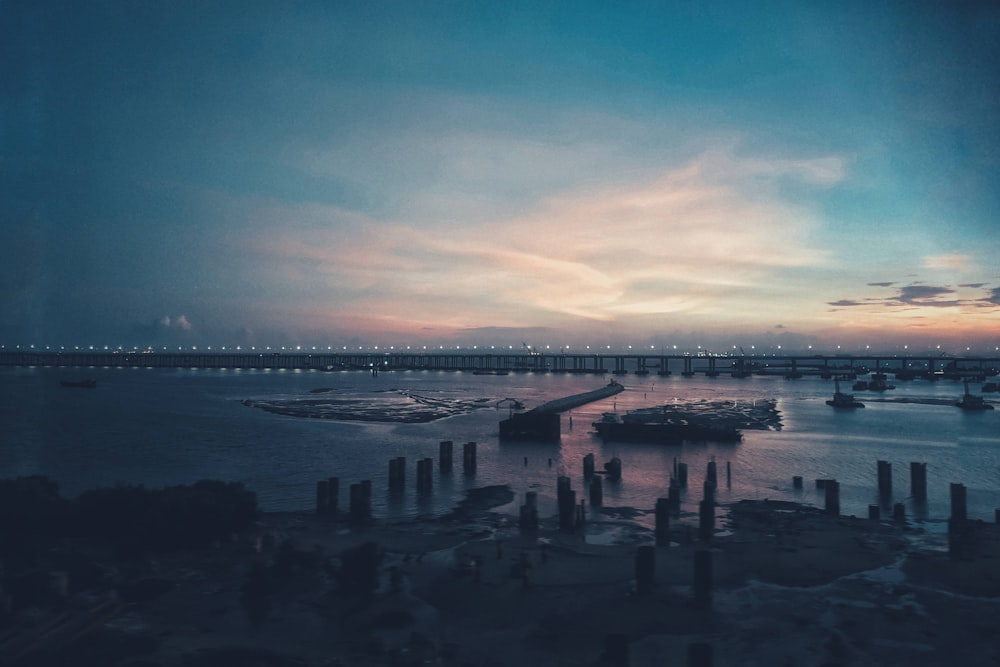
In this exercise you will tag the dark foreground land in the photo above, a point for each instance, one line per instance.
(790, 586)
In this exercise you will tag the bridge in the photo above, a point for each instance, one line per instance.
(789, 365)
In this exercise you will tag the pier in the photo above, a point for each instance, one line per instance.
(791, 366)
(542, 423)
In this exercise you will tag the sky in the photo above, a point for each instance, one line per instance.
(332, 174)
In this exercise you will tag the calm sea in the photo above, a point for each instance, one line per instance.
(161, 427)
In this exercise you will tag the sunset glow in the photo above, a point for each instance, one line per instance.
(460, 174)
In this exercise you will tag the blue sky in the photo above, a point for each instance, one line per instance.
(299, 173)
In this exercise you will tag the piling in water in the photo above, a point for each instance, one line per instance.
(469, 458)
(596, 491)
(703, 578)
(884, 482)
(918, 481)
(333, 495)
(588, 466)
(663, 522)
(832, 487)
(397, 474)
(322, 496)
(645, 570)
(444, 456)
(706, 519)
(958, 505)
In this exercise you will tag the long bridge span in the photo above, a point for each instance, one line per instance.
(789, 365)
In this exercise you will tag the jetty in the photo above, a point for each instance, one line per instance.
(542, 423)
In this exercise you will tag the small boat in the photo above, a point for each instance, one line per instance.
(84, 384)
(990, 387)
(973, 402)
(879, 383)
(860, 385)
(840, 400)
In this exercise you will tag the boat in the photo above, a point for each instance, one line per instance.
(990, 387)
(879, 383)
(84, 384)
(840, 400)
(614, 427)
(860, 385)
(972, 401)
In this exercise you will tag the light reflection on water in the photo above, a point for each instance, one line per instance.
(175, 426)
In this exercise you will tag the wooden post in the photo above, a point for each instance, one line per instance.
(832, 497)
(884, 482)
(663, 522)
(918, 481)
(645, 570)
(333, 495)
(444, 456)
(703, 578)
(469, 458)
(588, 466)
(874, 512)
(797, 482)
(322, 496)
(596, 490)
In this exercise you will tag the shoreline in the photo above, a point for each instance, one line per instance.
(789, 584)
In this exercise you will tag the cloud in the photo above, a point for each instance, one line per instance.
(700, 238)
(947, 261)
(885, 284)
(993, 296)
(926, 295)
(845, 303)
(178, 323)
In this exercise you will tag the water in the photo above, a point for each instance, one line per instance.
(160, 427)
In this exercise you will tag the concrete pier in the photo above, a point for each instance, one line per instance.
(958, 502)
(663, 522)
(832, 487)
(918, 481)
(682, 475)
(596, 491)
(333, 495)
(706, 519)
(703, 578)
(445, 448)
(397, 474)
(674, 496)
(566, 503)
(614, 469)
(884, 482)
(361, 502)
(322, 496)
(469, 458)
(528, 520)
(425, 476)
(645, 570)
